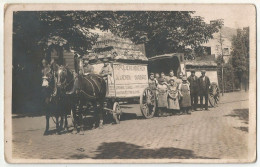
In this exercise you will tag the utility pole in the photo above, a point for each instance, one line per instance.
(222, 61)
(221, 40)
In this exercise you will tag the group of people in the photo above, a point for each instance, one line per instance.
(179, 94)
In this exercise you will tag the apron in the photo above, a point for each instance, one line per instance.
(162, 96)
(185, 91)
(173, 100)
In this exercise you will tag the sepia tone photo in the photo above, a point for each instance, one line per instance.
(130, 83)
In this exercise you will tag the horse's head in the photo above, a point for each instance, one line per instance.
(61, 75)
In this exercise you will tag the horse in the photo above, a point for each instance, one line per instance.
(90, 88)
(48, 93)
(64, 83)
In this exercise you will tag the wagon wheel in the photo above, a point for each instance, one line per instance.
(117, 112)
(213, 95)
(148, 103)
(212, 101)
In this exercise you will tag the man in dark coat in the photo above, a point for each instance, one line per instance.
(194, 89)
(204, 84)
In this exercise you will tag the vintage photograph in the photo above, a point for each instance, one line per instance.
(132, 83)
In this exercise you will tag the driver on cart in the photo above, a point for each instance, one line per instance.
(88, 68)
(106, 72)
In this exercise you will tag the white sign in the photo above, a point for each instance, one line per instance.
(127, 80)
(130, 80)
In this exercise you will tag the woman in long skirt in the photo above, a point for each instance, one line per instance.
(185, 101)
(173, 94)
(162, 97)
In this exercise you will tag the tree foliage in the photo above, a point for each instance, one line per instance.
(164, 31)
(240, 56)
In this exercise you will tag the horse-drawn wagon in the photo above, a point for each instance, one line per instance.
(128, 79)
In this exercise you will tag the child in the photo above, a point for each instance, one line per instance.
(185, 101)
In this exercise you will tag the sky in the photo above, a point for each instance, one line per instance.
(235, 16)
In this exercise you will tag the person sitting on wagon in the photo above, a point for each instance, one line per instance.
(185, 101)
(106, 70)
(162, 97)
(88, 68)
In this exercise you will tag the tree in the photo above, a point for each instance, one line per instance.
(164, 31)
(240, 56)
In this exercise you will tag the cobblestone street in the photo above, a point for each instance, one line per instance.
(219, 133)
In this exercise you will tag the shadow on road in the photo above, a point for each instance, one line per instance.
(245, 129)
(78, 156)
(242, 114)
(122, 150)
(232, 101)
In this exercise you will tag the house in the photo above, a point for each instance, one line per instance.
(224, 36)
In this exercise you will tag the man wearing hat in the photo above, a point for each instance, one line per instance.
(106, 70)
(204, 84)
(194, 89)
(88, 68)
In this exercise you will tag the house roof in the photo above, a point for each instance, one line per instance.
(165, 56)
(197, 64)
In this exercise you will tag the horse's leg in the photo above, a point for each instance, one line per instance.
(57, 110)
(74, 131)
(96, 114)
(81, 123)
(66, 111)
(46, 132)
(66, 122)
(46, 107)
(101, 113)
(62, 113)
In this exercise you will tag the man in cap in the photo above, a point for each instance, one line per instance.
(204, 85)
(88, 68)
(194, 88)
